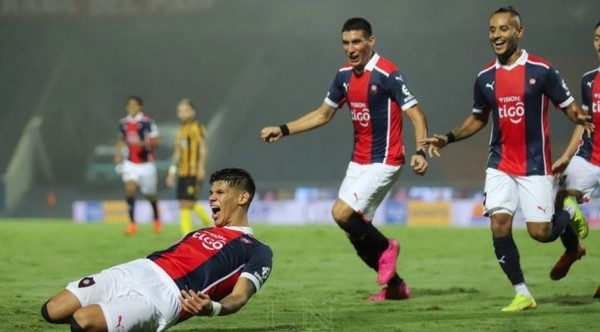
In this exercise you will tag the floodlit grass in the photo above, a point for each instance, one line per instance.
(318, 284)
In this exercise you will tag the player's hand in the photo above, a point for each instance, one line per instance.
(419, 164)
(195, 303)
(118, 159)
(585, 121)
(271, 134)
(559, 166)
(435, 143)
(170, 180)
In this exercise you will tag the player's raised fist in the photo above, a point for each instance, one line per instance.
(271, 134)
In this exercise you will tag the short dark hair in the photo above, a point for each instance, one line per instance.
(358, 23)
(512, 11)
(235, 178)
(597, 25)
(138, 99)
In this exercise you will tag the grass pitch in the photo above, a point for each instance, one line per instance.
(318, 284)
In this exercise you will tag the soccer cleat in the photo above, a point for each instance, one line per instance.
(561, 268)
(157, 226)
(578, 222)
(520, 303)
(387, 262)
(400, 292)
(597, 295)
(131, 229)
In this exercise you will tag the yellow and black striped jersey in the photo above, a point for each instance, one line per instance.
(188, 139)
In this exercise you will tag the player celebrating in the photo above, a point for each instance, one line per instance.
(515, 90)
(582, 175)
(189, 161)
(377, 95)
(140, 134)
(210, 272)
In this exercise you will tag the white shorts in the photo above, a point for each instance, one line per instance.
(503, 193)
(583, 176)
(365, 186)
(133, 296)
(142, 174)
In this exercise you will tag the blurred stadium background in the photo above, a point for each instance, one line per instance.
(67, 67)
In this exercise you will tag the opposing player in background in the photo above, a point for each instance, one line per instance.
(579, 165)
(210, 272)
(188, 167)
(139, 133)
(514, 90)
(378, 95)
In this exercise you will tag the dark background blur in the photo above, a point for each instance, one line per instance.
(248, 64)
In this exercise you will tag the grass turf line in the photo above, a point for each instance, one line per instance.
(317, 283)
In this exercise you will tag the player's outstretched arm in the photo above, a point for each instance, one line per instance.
(118, 158)
(418, 161)
(474, 123)
(200, 304)
(562, 162)
(309, 121)
(172, 173)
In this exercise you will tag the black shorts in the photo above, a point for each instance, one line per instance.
(187, 188)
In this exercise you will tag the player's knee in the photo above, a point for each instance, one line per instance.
(539, 235)
(48, 313)
(341, 212)
(75, 326)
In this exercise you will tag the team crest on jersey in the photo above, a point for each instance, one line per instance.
(374, 89)
(86, 282)
(532, 81)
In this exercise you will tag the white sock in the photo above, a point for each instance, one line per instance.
(569, 210)
(521, 289)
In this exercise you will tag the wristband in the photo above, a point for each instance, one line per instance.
(216, 309)
(421, 153)
(451, 138)
(284, 129)
(172, 170)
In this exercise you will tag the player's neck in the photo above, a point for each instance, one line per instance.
(511, 59)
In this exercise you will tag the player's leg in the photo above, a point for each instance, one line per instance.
(130, 182)
(90, 318)
(60, 308)
(500, 204)
(186, 222)
(148, 187)
(199, 209)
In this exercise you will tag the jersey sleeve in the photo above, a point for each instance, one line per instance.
(400, 91)
(585, 101)
(121, 130)
(336, 97)
(201, 129)
(480, 103)
(556, 89)
(259, 267)
(152, 129)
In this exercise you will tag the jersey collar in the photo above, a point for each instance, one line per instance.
(520, 61)
(245, 230)
(137, 117)
(371, 64)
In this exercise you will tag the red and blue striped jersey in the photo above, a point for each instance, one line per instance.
(376, 99)
(589, 148)
(211, 260)
(517, 97)
(140, 128)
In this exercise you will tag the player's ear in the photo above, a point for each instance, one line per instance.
(371, 40)
(243, 198)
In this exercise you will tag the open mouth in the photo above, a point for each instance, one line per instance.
(353, 58)
(215, 211)
(498, 44)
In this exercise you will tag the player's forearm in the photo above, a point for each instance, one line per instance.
(154, 142)
(470, 127)
(420, 124)
(232, 304)
(312, 120)
(573, 143)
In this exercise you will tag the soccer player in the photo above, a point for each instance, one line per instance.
(580, 163)
(140, 134)
(377, 95)
(188, 165)
(210, 272)
(515, 90)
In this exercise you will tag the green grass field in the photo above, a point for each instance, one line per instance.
(318, 284)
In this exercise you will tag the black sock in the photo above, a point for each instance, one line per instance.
(395, 281)
(560, 221)
(365, 234)
(154, 209)
(508, 257)
(570, 240)
(130, 208)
